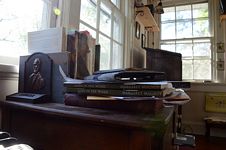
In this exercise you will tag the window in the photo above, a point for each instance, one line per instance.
(17, 19)
(185, 29)
(103, 19)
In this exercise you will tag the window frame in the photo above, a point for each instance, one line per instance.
(119, 12)
(210, 37)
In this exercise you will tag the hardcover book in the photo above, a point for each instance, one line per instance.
(121, 92)
(117, 85)
(77, 83)
(127, 74)
(139, 105)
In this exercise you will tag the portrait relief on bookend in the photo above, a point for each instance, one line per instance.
(38, 74)
(36, 81)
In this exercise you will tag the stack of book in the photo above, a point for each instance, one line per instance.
(119, 89)
(123, 83)
(133, 94)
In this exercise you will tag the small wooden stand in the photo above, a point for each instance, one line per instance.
(214, 122)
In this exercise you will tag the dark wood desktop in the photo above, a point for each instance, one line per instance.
(54, 126)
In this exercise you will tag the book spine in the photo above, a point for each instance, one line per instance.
(74, 99)
(114, 92)
(115, 86)
(139, 106)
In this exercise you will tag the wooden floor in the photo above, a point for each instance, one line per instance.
(213, 143)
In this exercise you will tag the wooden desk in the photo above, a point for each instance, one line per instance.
(53, 126)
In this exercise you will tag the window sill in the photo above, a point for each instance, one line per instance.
(209, 83)
(9, 71)
(207, 87)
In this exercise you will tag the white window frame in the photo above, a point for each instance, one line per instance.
(70, 18)
(118, 12)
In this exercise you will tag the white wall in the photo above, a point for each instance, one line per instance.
(194, 111)
(7, 87)
(8, 82)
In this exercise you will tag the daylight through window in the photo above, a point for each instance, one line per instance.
(17, 18)
(103, 19)
(185, 29)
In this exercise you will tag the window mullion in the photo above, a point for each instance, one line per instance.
(111, 41)
(192, 30)
(98, 21)
(175, 26)
(86, 24)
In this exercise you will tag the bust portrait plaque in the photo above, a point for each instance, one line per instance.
(35, 80)
(38, 72)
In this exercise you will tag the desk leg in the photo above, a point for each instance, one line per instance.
(179, 119)
(207, 129)
(174, 126)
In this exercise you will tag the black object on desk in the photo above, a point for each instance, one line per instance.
(27, 97)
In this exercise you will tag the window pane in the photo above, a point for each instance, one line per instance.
(116, 3)
(104, 53)
(88, 12)
(185, 48)
(117, 56)
(202, 49)
(201, 28)
(169, 46)
(192, 21)
(116, 31)
(17, 19)
(183, 12)
(200, 10)
(187, 69)
(184, 29)
(108, 33)
(202, 69)
(105, 20)
(168, 31)
(169, 14)
(83, 27)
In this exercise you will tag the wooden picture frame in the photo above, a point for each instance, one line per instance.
(137, 30)
(220, 65)
(220, 47)
(143, 40)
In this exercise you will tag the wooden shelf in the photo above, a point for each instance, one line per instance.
(144, 17)
(223, 17)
